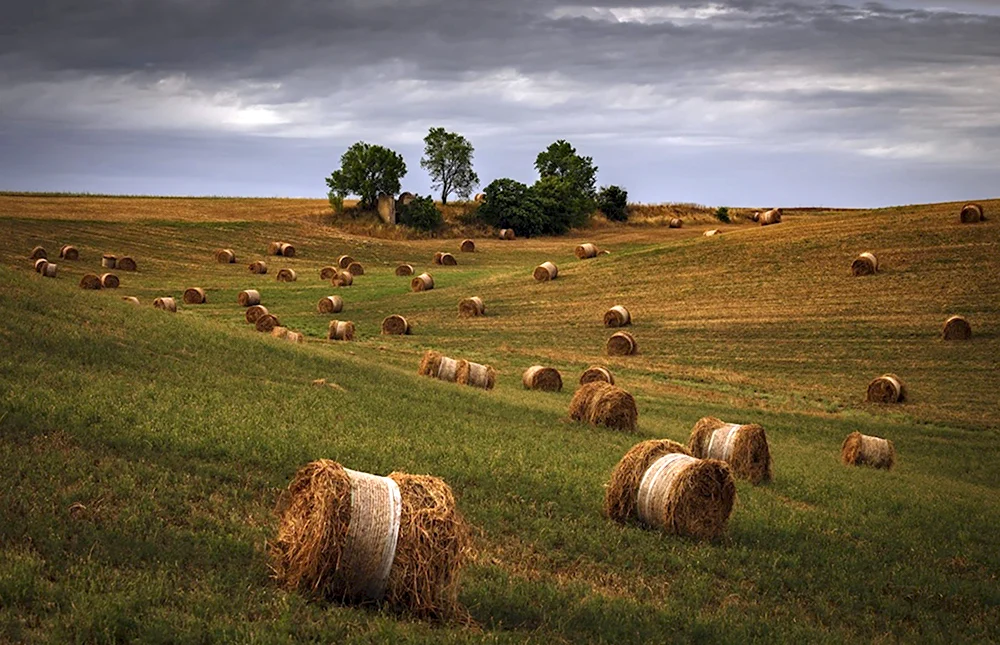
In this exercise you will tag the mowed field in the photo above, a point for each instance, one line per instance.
(142, 452)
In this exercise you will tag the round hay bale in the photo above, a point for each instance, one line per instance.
(600, 403)
(971, 213)
(90, 281)
(330, 305)
(437, 257)
(887, 388)
(864, 264)
(659, 485)
(344, 261)
(405, 198)
(165, 304)
(476, 375)
(353, 537)
(109, 281)
(108, 261)
(468, 246)
(267, 323)
(38, 253)
(295, 337)
(862, 450)
(225, 256)
(539, 377)
(622, 343)
(545, 271)
(772, 216)
(340, 330)
(507, 234)
(448, 260)
(355, 268)
(756, 216)
(248, 298)
(274, 248)
(126, 263)
(69, 252)
(595, 374)
(617, 316)
(471, 307)
(430, 363)
(404, 270)
(743, 447)
(479, 198)
(49, 270)
(287, 250)
(423, 282)
(343, 279)
(194, 296)
(280, 332)
(395, 325)
(956, 328)
(259, 267)
(586, 251)
(131, 300)
(327, 273)
(712, 233)
(675, 222)
(40, 265)
(254, 313)
(286, 275)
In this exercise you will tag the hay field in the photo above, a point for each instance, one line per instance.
(143, 451)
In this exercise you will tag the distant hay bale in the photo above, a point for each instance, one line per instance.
(327, 273)
(126, 263)
(355, 268)
(862, 450)
(90, 281)
(597, 374)
(971, 213)
(280, 332)
(165, 304)
(49, 270)
(479, 198)
(342, 279)
(109, 281)
(448, 260)
(274, 248)
(676, 222)
(353, 537)
(340, 330)
(772, 216)
(743, 447)
(956, 328)
(330, 305)
(395, 325)
(476, 375)
(405, 198)
(404, 270)
(295, 337)
(344, 261)
(712, 233)
(659, 485)
(108, 261)
(617, 316)
(471, 307)
(887, 388)
(756, 216)
(130, 299)
(286, 275)
(468, 246)
(38, 253)
(266, 323)
(248, 297)
(585, 251)
(423, 282)
(287, 250)
(437, 257)
(225, 256)
(259, 267)
(600, 403)
(865, 264)
(545, 271)
(622, 343)
(539, 377)
(194, 296)
(507, 234)
(69, 252)
(254, 313)
(40, 265)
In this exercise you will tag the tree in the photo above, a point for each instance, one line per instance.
(448, 160)
(613, 202)
(560, 160)
(511, 204)
(562, 205)
(367, 171)
(421, 213)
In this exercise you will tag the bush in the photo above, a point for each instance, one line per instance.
(336, 202)
(563, 207)
(422, 214)
(722, 214)
(511, 204)
(613, 202)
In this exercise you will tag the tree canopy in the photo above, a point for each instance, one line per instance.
(367, 170)
(448, 160)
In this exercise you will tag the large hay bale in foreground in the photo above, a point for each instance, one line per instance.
(956, 328)
(404, 270)
(476, 375)
(676, 222)
(395, 325)
(622, 343)
(248, 297)
(38, 253)
(126, 263)
(971, 213)
(40, 265)
(343, 279)
(330, 305)
(887, 388)
(617, 316)
(712, 233)
(471, 307)
(255, 312)
(258, 268)
(597, 374)
(327, 273)
(340, 330)
(344, 261)
(108, 261)
(865, 264)
(165, 304)
(69, 252)
(545, 271)
(600, 403)
(286, 275)
(225, 256)
(90, 281)
(49, 270)
(661, 486)
(743, 447)
(423, 282)
(468, 246)
(539, 377)
(267, 323)
(772, 216)
(585, 251)
(109, 281)
(287, 250)
(353, 537)
(862, 450)
(507, 234)
(355, 268)
(194, 296)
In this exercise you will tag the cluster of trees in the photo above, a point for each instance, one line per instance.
(563, 197)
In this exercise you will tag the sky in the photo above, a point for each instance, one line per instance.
(729, 102)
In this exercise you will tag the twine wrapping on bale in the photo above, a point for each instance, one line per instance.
(166, 304)
(355, 268)
(887, 388)
(423, 282)
(259, 267)
(404, 270)
(772, 216)
(49, 270)
(545, 271)
(286, 275)
(267, 323)
(865, 264)
(676, 222)
(476, 375)
(194, 296)
(596, 373)
(600, 403)
(69, 252)
(130, 299)
(395, 325)
(862, 450)
(585, 251)
(430, 365)
(125, 263)
(254, 312)
(471, 307)
(713, 232)
(956, 328)
(468, 246)
(340, 330)
(248, 298)
(539, 377)
(90, 281)
(617, 316)
(109, 281)
(287, 250)
(344, 261)
(225, 256)
(108, 261)
(327, 273)
(330, 305)
(971, 213)
(274, 248)
(40, 265)
(743, 447)
(38, 253)
(661, 486)
(507, 234)
(622, 343)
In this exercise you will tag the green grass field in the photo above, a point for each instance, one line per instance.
(142, 452)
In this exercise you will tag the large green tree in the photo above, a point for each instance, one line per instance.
(448, 160)
(367, 170)
(560, 160)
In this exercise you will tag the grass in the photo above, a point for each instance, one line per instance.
(143, 452)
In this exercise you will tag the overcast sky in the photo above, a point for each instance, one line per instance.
(732, 102)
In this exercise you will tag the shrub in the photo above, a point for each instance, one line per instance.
(336, 202)
(421, 213)
(511, 204)
(563, 207)
(613, 202)
(722, 214)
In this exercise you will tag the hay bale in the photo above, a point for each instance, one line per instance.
(165, 304)
(327, 273)
(49, 270)
(109, 281)
(743, 447)
(430, 364)
(395, 325)
(344, 261)
(248, 298)
(675, 222)
(69, 252)
(712, 233)
(585, 251)
(479, 198)
(545, 271)
(194, 296)
(476, 375)
(330, 305)
(108, 261)
(617, 316)
(539, 377)
(259, 267)
(40, 265)
(468, 246)
(286, 275)
(622, 343)
(658, 484)
(887, 388)
(597, 374)
(448, 260)
(423, 282)
(405, 198)
(971, 213)
(280, 332)
(38, 253)
(254, 313)
(404, 270)
(267, 323)
(90, 281)
(131, 300)
(343, 279)
(295, 337)
(225, 256)
(471, 307)
(437, 257)
(353, 537)
(956, 328)
(274, 248)
(287, 250)
(126, 263)
(772, 216)
(865, 264)
(862, 450)
(340, 330)
(355, 268)
(756, 216)
(507, 234)
(600, 403)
